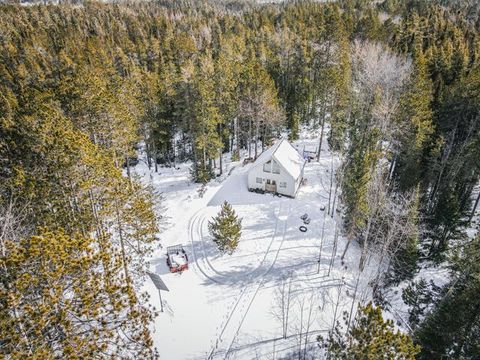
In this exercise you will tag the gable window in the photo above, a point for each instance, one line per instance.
(275, 167)
(267, 167)
(282, 184)
(259, 180)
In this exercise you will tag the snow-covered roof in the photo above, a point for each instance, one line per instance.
(286, 155)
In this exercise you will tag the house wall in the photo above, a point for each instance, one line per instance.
(257, 171)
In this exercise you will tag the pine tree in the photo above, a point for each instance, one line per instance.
(61, 297)
(226, 229)
(371, 337)
(207, 141)
(452, 329)
(259, 110)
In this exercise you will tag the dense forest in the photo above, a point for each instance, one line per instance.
(392, 86)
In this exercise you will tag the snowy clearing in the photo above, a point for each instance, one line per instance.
(230, 306)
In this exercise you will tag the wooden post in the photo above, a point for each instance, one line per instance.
(161, 302)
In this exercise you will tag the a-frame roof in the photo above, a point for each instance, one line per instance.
(285, 155)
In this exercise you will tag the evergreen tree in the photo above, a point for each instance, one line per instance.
(361, 159)
(207, 121)
(415, 110)
(226, 229)
(259, 109)
(418, 295)
(61, 297)
(451, 179)
(79, 86)
(452, 329)
(371, 337)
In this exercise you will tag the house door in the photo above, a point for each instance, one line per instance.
(271, 186)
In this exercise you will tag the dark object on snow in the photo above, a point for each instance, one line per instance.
(304, 217)
(306, 221)
(309, 154)
(157, 281)
(302, 228)
(258, 191)
(322, 208)
(248, 160)
(132, 161)
(177, 259)
(160, 285)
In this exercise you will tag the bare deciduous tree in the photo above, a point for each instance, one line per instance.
(283, 297)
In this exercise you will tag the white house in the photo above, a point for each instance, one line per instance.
(278, 169)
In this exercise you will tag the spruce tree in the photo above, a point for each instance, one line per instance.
(452, 329)
(226, 229)
(415, 111)
(418, 295)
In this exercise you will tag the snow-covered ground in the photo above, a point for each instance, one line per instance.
(229, 306)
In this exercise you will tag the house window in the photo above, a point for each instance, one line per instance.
(267, 166)
(282, 184)
(259, 180)
(275, 168)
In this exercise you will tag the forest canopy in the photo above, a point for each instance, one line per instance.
(394, 86)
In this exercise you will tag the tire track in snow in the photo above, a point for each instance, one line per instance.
(247, 301)
(205, 255)
(198, 224)
(191, 226)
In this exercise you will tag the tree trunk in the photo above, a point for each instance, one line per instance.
(321, 139)
(174, 152)
(363, 256)
(334, 251)
(155, 157)
(393, 164)
(127, 161)
(353, 301)
(336, 306)
(346, 248)
(472, 214)
(442, 169)
(321, 242)
(249, 138)
(122, 245)
(288, 306)
(330, 191)
(334, 199)
(148, 151)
